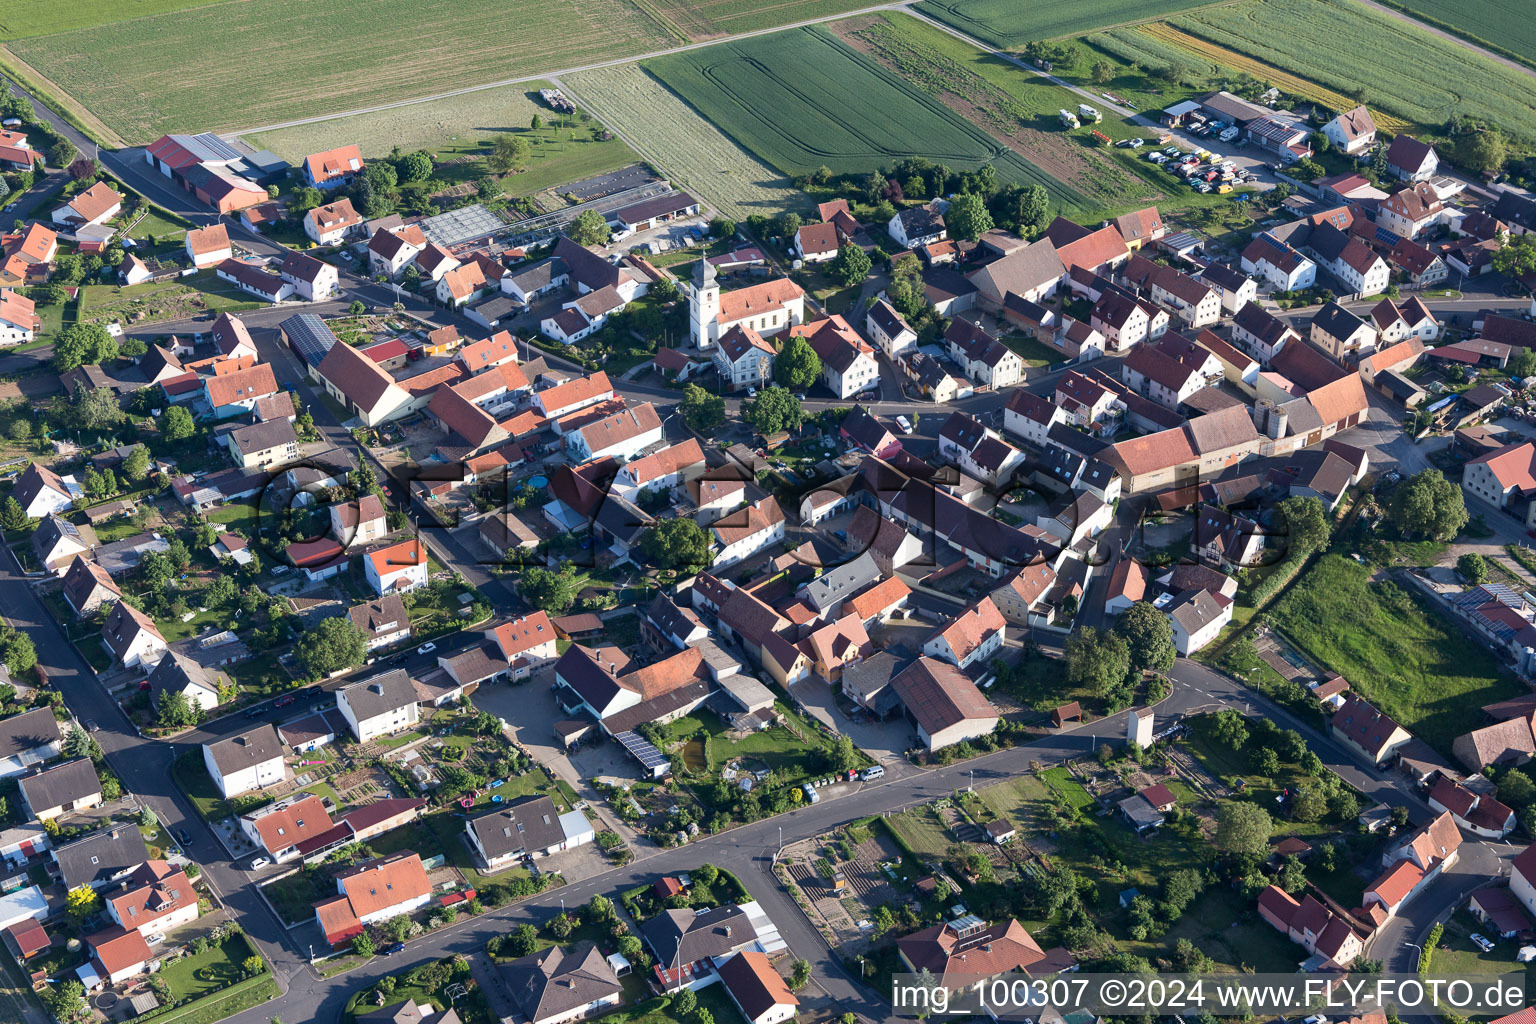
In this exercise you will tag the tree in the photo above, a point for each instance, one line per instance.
(177, 424)
(550, 590)
(12, 515)
(773, 410)
(1148, 637)
(79, 743)
(510, 153)
(536, 123)
(523, 940)
(95, 409)
(68, 1000)
(1309, 804)
(1473, 567)
(844, 755)
(1229, 728)
(601, 910)
(1102, 71)
(561, 926)
(684, 1003)
(1292, 877)
(1266, 761)
(334, 644)
(1482, 151)
(851, 264)
(136, 465)
(967, 217)
(798, 366)
(82, 902)
(1517, 790)
(676, 544)
(801, 975)
(1034, 204)
(62, 153)
(1306, 521)
(414, 166)
(1242, 829)
(16, 650)
(363, 946)
(589, 228)
(253, 965)
(1097, 659)
(1430, 505)
(787, 224)
(397, 928)
(82, 344)
(131, 348)
(1516, 259)
(177, 712)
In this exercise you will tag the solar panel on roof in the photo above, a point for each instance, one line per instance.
(641, 749)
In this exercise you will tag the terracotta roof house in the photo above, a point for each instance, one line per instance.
(960, 952)
(280, 828)
(756, 988)
(943, 703)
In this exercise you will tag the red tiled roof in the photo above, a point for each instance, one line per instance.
(519, 635)
(242, 385)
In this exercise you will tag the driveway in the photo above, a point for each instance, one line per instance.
(886, 742)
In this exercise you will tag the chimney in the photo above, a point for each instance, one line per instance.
(727, 931)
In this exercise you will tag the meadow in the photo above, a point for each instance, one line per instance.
(800, 99)
(1009, 24)
(1396, 652)
(1504, 25)
(707, 19)
(286, 59)
(693, 153)
(20, 18)
(1405, 70)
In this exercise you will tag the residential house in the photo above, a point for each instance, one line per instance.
(1352, 132)
(133, 638)
(747, 531)
(461, 284)
(1411, 160)
(978, 451)
(965, 951)
(1411, 210)
(96, 205)
(1235, 288)
(380, 706)
(917, 226)
(19, 322)
(1030, 416)
(983, 358)
(42, 492)
(384, 621)
(258, 446)
(1478, 813)
(974, 635)
(154, 900)
(1098, 251)
(622, 435)
(333, 168)
(1125, 320)
(313, 280)
(744, 359)
(118, 954)
(373, 891)
(1341, 333)
(1420, 268)
(235, 391)
(1327, 935)
(361, 521)
(1349, 259)
(251, 760)
(573, 395)
(848, 365)
(1277, 264)
(208, 246)
(101, 858)
(57, 543)
(390, 252)
(555, 985)
(60, 788)
(256, 279)
(756, 988)
(1260, 333)
(815, 243)
(1505, 478)
(1198, 303)
(1151, 372)
(527, 643)
(28, 738)
(1032, 273)
(534, 280)
(332, 223)
(191, 668)
(1367, 731)
(397, 568)
(662, 471)
(1198, 617)
(1142, 227)
(890, 329)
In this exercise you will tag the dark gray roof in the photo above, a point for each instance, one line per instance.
(259, 745)
(100, 857)
(554, 982)
(529, 824)
(713, 933)
(258, 437)
(380, 694)
(1337, 321)
(842, 581)
(539, 275)
(60, 784)
(178, 670)
(28, 731)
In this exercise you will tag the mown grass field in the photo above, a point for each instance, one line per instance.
(297, 59)
(1502, 24)
(693, 153)
(1395, 650)
(801, 99)
(1009, 24)
(1404, 70)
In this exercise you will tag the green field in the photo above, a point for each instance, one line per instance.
(1009, 24)
(1396, 652)
(303, 59)
(20, 18)
(1405, 70)
(1499, 24)
(801, 99)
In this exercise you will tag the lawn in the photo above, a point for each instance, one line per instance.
(191, 774)
(672, 135)
(160, 301)
(23, 18)
(294, 896)
(1395, 650)
(731, 17)
(1033, 351)
(197, 975)
(1008, 24)
(921, 830)
(801, 99)
(122, 74)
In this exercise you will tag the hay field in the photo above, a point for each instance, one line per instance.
(20, 18)
(1501, 24)
(693, 153)
(708, 19)
(263, 63)
(800, 99)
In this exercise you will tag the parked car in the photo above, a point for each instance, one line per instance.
(1137, 143)
(811, 796)
(905, 424)
(1482, 942)
(391, 950)
(751, 392)
(90, 726)
(284, 700)
(426, 648)
(874, 772)
(183, 837)
(259, 861)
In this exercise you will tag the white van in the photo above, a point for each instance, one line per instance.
(874, 772)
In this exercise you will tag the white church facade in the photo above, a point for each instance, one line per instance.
(767, 308)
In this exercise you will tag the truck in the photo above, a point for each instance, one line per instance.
(1089, 115)
(1068, 119)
